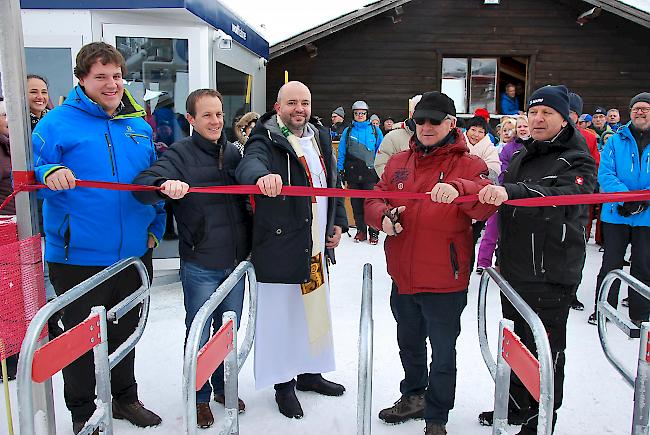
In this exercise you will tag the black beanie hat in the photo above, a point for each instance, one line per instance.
(555, 97)
(477, 121)
(575, 103)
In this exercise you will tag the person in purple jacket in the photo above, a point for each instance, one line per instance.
(491, 235)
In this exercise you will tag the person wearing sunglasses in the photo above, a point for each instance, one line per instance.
(624, 166)
(428, 253)
(356, 164)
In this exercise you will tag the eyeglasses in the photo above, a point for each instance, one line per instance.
(421, 121)
(640, 110)
(360, 112)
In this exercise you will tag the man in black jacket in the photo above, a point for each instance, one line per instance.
(293, 237)
(213, 229)
(542, 249)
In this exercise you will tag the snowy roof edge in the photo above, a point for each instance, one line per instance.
(334, 25)
(624, 9)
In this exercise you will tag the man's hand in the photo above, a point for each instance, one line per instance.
(270, 185)
(61, 179)
(151, 242)
(443, 193)
(390, 223)
(334, 240)
(175, 189)
(491, 194)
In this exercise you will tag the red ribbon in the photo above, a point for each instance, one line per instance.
(546, 201)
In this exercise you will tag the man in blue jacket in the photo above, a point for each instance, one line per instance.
(625, 166)
(356, 163)
(97, 134)
(509, 103)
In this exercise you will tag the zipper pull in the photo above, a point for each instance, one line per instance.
(440, 178)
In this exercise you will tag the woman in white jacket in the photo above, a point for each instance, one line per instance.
(480, 145)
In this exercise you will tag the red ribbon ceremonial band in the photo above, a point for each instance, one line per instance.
(546, 201)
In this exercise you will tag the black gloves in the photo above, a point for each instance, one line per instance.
(632, 208)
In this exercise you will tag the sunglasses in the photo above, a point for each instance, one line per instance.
(359, 113)
(421, 121)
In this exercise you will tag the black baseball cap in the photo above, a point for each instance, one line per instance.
(600, 110)
(434, 105)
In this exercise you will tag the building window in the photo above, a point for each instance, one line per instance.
(470, 82)
(158, 78)
(235, 87)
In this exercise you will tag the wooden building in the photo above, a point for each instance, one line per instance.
(391, 50)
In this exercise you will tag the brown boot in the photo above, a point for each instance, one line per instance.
(406, 408)
(435, 429)
(204, 417)
(221, 398)
(135, 413)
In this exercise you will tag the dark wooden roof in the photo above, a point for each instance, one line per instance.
(614, 6)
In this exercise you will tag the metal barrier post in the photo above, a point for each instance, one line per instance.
(30, 343)
(233, 361)
(502, 384)
(545, 416)
(640, 382)
(364, 395)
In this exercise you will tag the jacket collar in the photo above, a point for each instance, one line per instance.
(453, 143)
(207, 145)
(129, 108)
(567, 139)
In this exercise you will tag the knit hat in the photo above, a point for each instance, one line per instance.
(600, 110)
(373, 117)
(555, 97)
(643, 97)
(477, 121)
(575, 103)
(339, 111)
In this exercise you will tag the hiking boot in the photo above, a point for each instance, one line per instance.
(592, 320)
(78, 425)
(435, 429)
(405, 409)
(288, 403)
(374, 238)
(204, 417)
(516, 417)
(318, 384)
(577, 305)
(221, 398)
(360, 237)
(135, 413)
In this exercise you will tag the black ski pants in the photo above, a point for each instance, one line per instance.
(79, 377)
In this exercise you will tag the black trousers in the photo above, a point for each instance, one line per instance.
(551, 303)
(616, 239)
(357, 207)
(79, 377)
(435, 316)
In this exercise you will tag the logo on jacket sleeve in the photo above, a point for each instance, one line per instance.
(580, 180)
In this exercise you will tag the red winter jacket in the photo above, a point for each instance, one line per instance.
(592, 142)
(433, 252)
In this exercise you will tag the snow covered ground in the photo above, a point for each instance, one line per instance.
(596, 401)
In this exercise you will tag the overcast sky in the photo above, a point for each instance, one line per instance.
(278, 20)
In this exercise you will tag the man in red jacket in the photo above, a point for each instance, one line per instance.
(428, 253)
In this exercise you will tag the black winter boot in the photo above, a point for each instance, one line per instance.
(316, 383)
(288, 403)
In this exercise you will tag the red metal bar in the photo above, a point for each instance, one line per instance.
(65, 349)
(647, 350)
(522, 362)
(24, 177)
(213, 353)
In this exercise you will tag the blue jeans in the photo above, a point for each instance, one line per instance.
(199, 283)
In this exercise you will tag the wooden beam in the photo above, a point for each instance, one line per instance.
(623, 10)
